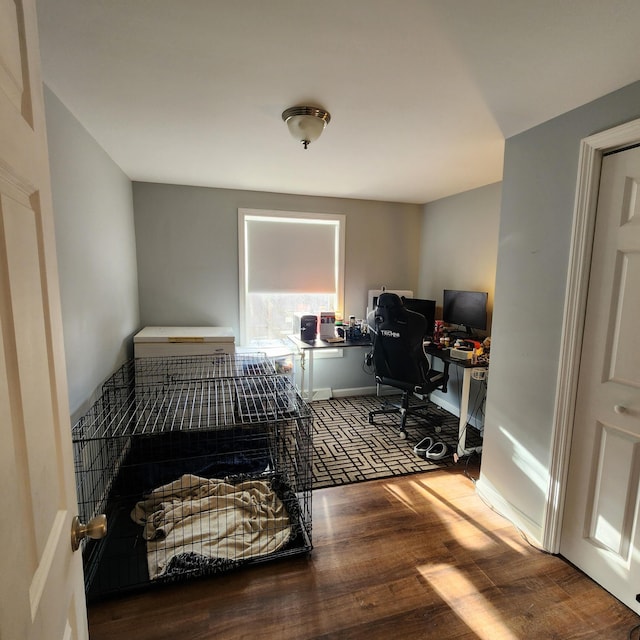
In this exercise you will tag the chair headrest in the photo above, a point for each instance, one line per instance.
(389, 300)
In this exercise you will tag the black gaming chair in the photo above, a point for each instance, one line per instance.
(399, 359)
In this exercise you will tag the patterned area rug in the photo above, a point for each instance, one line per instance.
(348, 449)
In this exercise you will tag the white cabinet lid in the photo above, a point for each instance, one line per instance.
(185, 334)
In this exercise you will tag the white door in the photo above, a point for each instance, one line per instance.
(41, 583)
(600, 526)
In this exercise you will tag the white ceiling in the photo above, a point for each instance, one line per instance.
(421, 93)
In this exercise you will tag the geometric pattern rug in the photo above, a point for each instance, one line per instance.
(347, 449)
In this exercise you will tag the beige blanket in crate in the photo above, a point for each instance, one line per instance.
(213, 518)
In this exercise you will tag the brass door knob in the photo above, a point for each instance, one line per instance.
(95, 529)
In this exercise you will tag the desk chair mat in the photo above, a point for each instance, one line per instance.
(347, 449)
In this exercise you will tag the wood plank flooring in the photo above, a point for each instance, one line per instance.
(414, 557)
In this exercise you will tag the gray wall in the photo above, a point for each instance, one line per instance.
(460, 244)
(187, 239)
(95, 241)
(458, 251)
(538, 194)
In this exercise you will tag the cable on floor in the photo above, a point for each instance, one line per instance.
(478, 404)
(466, 466)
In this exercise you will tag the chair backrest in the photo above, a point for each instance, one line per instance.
(397, 341)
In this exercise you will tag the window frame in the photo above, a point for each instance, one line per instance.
(245, 214)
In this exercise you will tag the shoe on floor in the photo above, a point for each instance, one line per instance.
(437, 451)
(423, 446)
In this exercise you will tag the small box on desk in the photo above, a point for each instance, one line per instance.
(461, 354)
(327, 325)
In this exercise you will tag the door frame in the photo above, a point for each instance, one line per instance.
(592, 149)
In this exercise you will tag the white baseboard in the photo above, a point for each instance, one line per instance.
(322, 394)
(365, 391)
(356, 391)
(531, 529)
(386, 391)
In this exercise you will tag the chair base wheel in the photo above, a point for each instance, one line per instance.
(403, 435)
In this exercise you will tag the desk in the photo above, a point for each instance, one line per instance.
(443, 354)
(317, 345)
(468, 368)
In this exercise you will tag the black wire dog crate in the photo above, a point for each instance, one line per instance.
(202, 464)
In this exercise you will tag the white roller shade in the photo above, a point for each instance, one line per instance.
(288, 255)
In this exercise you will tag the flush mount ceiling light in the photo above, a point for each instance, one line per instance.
(306, 123)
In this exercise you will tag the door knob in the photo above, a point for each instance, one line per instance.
(620, 408)
(95, 529)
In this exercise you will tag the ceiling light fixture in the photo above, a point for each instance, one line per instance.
(306, 123)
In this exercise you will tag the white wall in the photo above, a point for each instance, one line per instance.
(95, 241)
(538, 193)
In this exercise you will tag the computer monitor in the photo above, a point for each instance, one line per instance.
(426, 308)
(466, 308)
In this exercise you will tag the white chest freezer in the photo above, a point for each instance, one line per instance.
(153, 342)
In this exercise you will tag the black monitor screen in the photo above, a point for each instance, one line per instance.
(468, 308)
(427, 308)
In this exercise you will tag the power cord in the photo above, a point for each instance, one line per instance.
(367, 365)
(466, 466)
(478, 404)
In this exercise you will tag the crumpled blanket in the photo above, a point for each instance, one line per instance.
(213, 518)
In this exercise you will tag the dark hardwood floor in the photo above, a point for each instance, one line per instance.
(414, 557)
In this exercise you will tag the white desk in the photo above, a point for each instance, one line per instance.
(467, 373)
(310, 348)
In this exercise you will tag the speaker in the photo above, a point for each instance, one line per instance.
(308, 327)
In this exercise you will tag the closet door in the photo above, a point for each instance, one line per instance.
(600, 532)
(41, 590)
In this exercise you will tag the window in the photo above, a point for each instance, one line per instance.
(289, 263)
